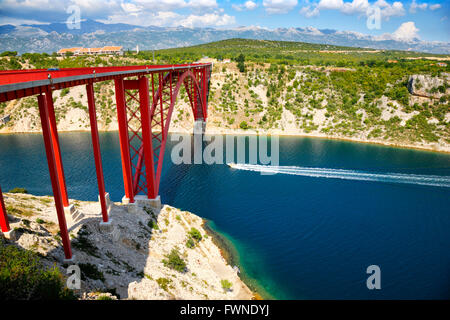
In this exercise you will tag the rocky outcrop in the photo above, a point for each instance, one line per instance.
(127, 258)
(428, 86)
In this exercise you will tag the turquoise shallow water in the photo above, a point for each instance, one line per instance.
(307, 232)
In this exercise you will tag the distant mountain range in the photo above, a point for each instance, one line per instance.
(52, 37)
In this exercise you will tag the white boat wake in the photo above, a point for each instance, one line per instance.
(427, 180)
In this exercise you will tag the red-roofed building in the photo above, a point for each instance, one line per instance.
(92, 51)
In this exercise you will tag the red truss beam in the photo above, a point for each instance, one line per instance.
(142, 166)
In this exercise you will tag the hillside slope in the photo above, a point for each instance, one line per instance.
(277, 87)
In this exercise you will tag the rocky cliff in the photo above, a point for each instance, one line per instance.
(133, 257)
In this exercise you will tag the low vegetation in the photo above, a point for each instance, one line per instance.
(194, 237)
(18, 190)
(164, 283)
(175, 261)
(91, 271)
(226, 285)
(23, 277)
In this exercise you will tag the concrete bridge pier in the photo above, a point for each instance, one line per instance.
(142, 201)
(199, 127)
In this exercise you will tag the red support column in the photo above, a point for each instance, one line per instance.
(97, 153)
(161, 107)
(123, 137)
(56, 147)
(147, 137)
(49, 150)
(195, 95)
(4, 224)
(204, 93)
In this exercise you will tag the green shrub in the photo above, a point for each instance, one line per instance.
(153, 225)
(174, 261)
(8, 54)
(241, 66)
(243, 125)
(64, 92)
(163, 283)
(18, 190)
(226, 285)
(23, 277)
(91, 271)
(190, 243)
(195, 234)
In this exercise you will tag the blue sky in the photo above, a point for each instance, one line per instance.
(427, 20)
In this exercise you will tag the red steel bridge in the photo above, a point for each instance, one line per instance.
(145, 100)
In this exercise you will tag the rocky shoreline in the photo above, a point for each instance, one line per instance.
(230, 255)
(131, 258)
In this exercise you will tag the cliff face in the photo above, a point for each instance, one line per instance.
(133, 256)
(428, 86)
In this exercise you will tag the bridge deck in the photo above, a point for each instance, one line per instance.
(15, 84)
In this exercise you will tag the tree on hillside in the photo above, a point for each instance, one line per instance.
(8, 54)
(240, 60)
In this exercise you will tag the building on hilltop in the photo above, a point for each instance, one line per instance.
(64, 51)
(112, 50)
(77, 51)
(206, 59)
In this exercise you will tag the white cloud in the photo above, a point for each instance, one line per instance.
(160, 5)
(202, 4)
(414, 6)
(246, 6)
(356, 6)
(55, 11)
(435, 6)
(189, 13)
(390, 10)
(407, 31)
(161, 18)
(279, 6)
(310, 11)
(130, 7)
(210, 19)
(93, 8)
(330, 4)
(173, 19)
(16, 22)
(359, 7)
(29, 5)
